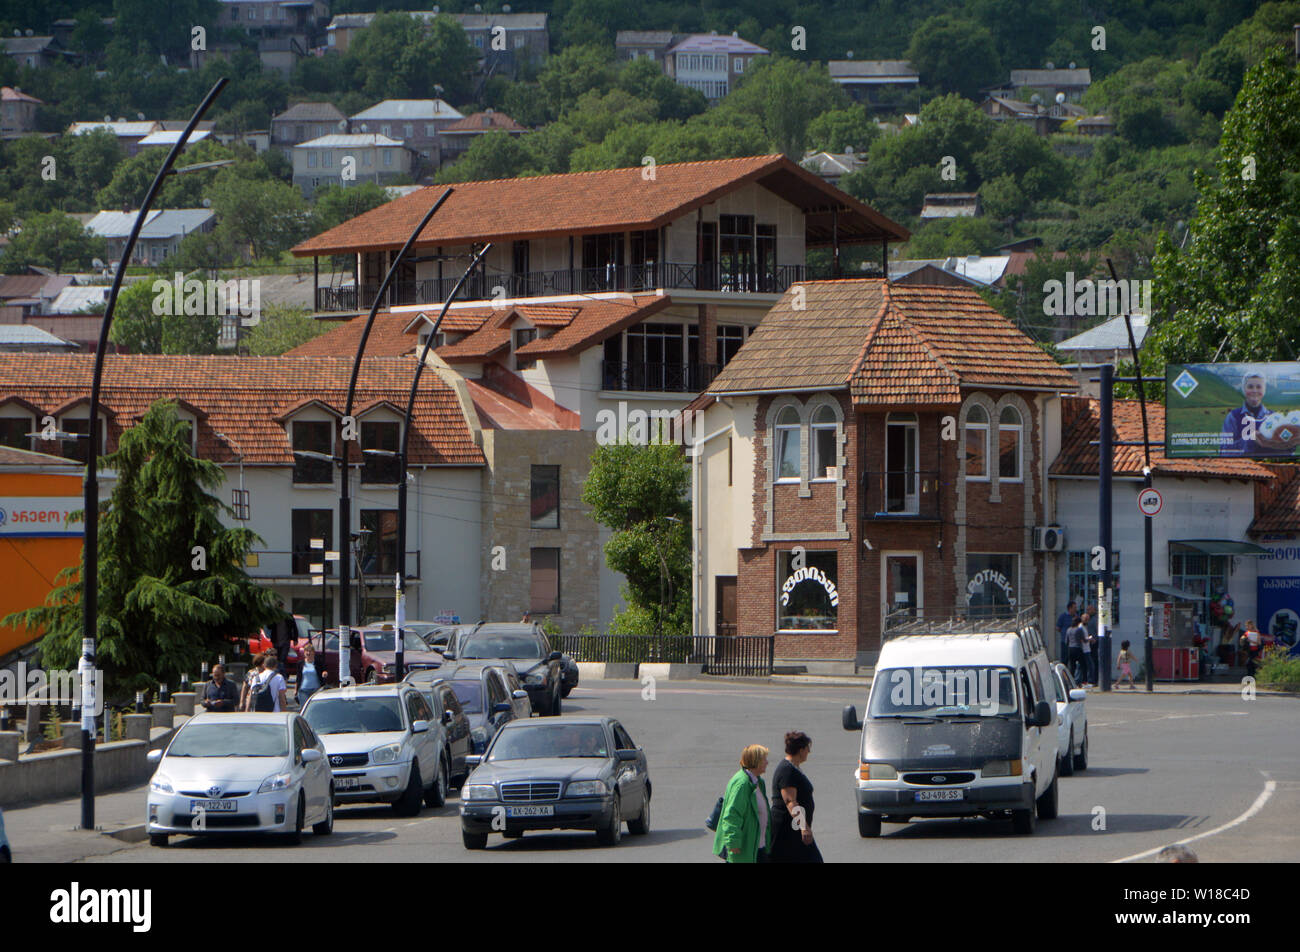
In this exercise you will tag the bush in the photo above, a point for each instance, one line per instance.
(1278, 669)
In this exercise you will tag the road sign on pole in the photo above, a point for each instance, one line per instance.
(1150, 501)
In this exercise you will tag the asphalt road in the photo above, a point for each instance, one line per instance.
(1163, 768)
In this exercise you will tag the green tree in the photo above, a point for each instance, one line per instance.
(572, 72)
(955, 55)
(839, 129)
(335, 204)
(1231, 292)
(51, 240)
(131, 178)
(136, 328)
(401, 58)
(142, 26)
(644, 79)
(172, 587)
(785, 96)
(495, 155)
(281, 329)
(640, 492)
(265, 215)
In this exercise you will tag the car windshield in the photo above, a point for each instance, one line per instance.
(355, 715)
(231, 739)
(975, 691)
(470, 695)
(550, 740)
(386, 641)
(494, 645)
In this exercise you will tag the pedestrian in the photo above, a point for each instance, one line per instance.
(219, 694)
(792, 805)
(1077, 636)
(267, 692)
(526, 619)
(308, 678)
(1063, 623)
(282, 632)
(1125, 662)
(1250, 643)
(1092, 650)
(745, 822)
(253, 668)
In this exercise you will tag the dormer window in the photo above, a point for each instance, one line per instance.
(14, 431)
(313, 449)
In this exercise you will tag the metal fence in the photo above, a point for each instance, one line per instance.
(748, 655)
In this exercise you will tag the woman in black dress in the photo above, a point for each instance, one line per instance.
(792, 805)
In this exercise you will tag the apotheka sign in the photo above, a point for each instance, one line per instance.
(992, 577)
(809, 574)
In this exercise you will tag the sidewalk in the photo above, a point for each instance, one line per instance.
(48, 833)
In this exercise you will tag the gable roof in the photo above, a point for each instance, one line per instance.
(1081, 424)
(489, 119)
(711, 43)
(866, 71)
(243, 397)
(10, 94)
(593, 202)
(408, 109)
(1277, 507)
(310, 112)
(889, 344)
(1111, 334)
(1051, 77)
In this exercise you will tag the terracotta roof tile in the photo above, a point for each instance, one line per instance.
(480, 345)
(1081, 423)
(891, 344)
(590, 202)
(591, 323)
(388, 338)
(243, 396)
(1278, 506)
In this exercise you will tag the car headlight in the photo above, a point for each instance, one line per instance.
(587, 788)
(386, 754)
(479, 791)
(277, 782)
(1001, 768)
(873, 771)
(390, 668)
(160, 784)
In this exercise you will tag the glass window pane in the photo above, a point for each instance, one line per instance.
(824, 414)
(977, 414)
(824, 450)
(545, 497)
(1010, 416)
(788, 417)
(807, 598)
(1009, 452)
(976, 451)
(788, 453)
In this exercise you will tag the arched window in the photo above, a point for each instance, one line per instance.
(1010, 439)
(977, 443)
(825, 443)
(787, 444)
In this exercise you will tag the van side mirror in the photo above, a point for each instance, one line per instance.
(1042, 715)
(850, 718)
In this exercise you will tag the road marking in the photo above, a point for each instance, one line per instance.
(1254, 808)
(1171, 717)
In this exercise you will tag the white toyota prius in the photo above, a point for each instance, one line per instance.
(254, 773)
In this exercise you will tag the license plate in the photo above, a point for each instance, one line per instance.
(530, 811)
(347, 783)
(214, 806)
(951, 794)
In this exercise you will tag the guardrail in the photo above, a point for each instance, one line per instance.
(744, 655)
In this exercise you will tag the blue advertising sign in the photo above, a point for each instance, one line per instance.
(1278, 592)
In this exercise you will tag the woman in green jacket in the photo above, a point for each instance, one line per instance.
(745, 824)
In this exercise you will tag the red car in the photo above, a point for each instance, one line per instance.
(374, 662)
(260, 643)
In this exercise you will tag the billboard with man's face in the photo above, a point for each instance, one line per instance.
(1248, 410)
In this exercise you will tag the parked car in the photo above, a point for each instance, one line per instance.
(958, 724)
(1072, 717)
(327, 659)
(421, 628)
(570, 773)
(5, 855)
(525, 646)
(380, 645)
(442, 697)
(568, 675)
(241, 772)
(489, 693)
(384, 744)
(261, 643)
(447, 638)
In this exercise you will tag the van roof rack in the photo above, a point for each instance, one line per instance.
(979, 621)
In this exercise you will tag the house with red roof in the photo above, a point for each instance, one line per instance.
(273, 426)
(873, 450)
(607, 298)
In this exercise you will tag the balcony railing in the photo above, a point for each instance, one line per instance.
(634, 277)
(298, 562)
(657, 378)
(901, 494)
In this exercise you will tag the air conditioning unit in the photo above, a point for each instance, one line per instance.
(1049, 539)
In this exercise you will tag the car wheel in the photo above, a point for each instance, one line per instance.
(295, 838)
(326, 826)
(437, 795)
(1067, 762)
(372, 676)
(1048, 803)
(1024, 821)
(473, 841)
(868, 825)
(610, 833)
(1081, 761)
(556, 702)
(157, 839)
(409, 804)
(641, 825)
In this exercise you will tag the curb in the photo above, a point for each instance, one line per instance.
(135, 833)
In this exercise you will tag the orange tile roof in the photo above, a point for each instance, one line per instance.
(489, 339)
(483, 122)
(890, 344)
(1081, 423)
(594, 202)
(592, 323)
(392, 334)
(243, 396)
(1277, 507)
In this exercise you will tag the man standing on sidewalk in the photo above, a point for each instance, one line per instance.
(219, 694)
(1064, 622)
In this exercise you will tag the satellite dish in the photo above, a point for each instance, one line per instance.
(17, 32)
(343, 124)
(364, 127)
(108, 118)
(848, 55)
(207, 203)
(140, 116)
(1072, 65)
(1050, 65)
(478, 8)
(1036, 99)
(29, 32)
(97, 264)
(848, 150)
(1060, 97)
(505, 8)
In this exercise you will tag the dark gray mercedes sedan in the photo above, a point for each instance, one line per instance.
(562, 773)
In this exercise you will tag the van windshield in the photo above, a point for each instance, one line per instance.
(967, 691)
